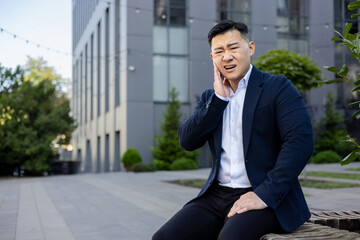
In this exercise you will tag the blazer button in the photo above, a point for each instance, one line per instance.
(246, 160)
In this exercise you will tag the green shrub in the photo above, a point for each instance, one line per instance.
(184, 164)
(143, 167)
(167, 148)
(130, 157)
(328, 156)
(301, 70)
(330, 130)
(161, 165)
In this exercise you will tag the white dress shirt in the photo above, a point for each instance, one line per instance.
(232, 171)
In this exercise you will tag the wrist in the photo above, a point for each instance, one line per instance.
(221, 97)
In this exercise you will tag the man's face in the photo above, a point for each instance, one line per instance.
(231, 54)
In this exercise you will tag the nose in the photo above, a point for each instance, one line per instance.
(227, 56)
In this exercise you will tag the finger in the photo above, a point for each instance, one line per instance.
(242, 210)
(232, 212)
(216, 72)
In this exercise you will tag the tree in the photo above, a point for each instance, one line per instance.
(34, 113)
(9, 82)
(168, 148)
(301, 70)
(330, 129)
(352, 42)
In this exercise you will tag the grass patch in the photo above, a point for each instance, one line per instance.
(353, 176)
(326, 184)
(199, 183)
(353, 169)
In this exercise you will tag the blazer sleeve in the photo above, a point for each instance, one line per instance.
(195, 131)
(295, 130)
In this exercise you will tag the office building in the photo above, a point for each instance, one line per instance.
(129, 53)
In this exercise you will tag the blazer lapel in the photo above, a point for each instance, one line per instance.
(253, 92)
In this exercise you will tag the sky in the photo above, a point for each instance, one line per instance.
(43, 22)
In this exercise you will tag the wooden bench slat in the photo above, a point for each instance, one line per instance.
(348, 220)
(314, 232)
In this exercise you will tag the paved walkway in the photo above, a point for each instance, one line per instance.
(116, 205)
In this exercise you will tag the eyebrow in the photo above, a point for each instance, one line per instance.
(229, 45)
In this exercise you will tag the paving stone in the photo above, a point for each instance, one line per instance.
(117, 205)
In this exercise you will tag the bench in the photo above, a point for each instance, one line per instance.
(314, 231)
(325, 225)
(346, 220)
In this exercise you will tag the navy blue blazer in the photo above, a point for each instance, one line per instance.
(277, 139)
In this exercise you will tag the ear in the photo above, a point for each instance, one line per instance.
(212, 56)
(251, 48)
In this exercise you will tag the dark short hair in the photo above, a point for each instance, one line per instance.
(228, 25)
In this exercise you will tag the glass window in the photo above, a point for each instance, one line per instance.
(160, 39)
(178, 3)
(282, 7)
(178, 76)
(160, 76)
(240, 17)
(236, 10)
(222, 16)
(241, 5)
(177, 16)
(170, 47)
(178, 40)
(160, 2)
(221, 4)
(291, 22)
(294, 7)
(160, 15)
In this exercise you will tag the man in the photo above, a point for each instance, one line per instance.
(260, 135)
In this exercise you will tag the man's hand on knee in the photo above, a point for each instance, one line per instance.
(248, 201)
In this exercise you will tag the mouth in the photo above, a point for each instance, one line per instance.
(229, 67)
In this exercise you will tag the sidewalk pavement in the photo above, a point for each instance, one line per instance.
(118, 205)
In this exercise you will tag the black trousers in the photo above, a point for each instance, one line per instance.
(206, 218)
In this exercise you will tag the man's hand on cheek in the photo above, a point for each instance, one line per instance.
(221, 87)
(248, 201)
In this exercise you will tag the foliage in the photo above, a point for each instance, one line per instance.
(326, 184)
(184, 164)
(167, 148)
(196, 183)
(330, 129)
(143, 167)
(352, 42)
(130, 157)
(301, 70)
(33, 114)
(328, 156)
(351, 176)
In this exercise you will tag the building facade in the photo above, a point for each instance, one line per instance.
(128, 54)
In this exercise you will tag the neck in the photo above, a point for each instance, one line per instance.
(234, 84)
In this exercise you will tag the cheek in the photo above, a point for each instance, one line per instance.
(217, 63)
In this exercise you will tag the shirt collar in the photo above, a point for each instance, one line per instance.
(247, 76)
(244, 80)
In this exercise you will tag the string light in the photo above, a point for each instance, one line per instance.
(139, 10)
(38, 45)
